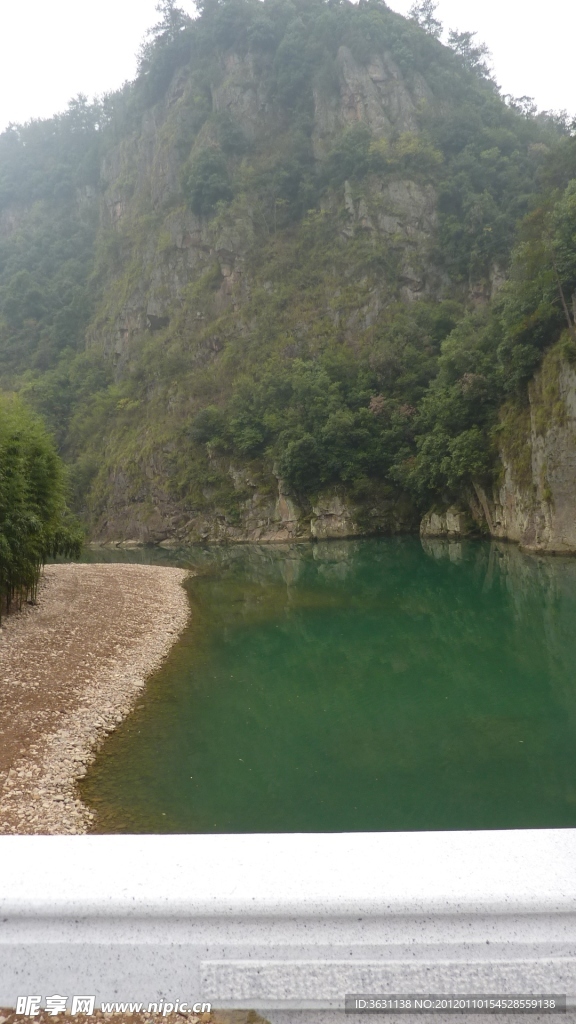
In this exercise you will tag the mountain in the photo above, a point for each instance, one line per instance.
(309, 275)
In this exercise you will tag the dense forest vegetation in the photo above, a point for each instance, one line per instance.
(332, 349)
(34, 520)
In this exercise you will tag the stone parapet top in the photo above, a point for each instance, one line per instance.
(277, 922)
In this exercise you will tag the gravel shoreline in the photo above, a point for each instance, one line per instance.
(71, 669)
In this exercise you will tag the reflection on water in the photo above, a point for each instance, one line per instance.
(356, 685)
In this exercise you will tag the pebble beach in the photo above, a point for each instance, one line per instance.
(71, 668)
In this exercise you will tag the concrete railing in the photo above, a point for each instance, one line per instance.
(286, 923)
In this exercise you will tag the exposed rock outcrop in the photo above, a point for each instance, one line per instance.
(376, 94)
(453, 522)
(333, 517)
(534, 502)
(260, 517)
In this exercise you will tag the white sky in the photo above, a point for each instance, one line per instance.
(532, 43)
(50, 50)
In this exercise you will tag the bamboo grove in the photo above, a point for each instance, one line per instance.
(34, 521)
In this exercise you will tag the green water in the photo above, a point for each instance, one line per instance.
(360, 685)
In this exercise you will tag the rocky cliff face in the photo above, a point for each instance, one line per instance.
(534, 502)
(261, 517)
(164, 254)
(539, 511)
(175, 247)
(158, 281)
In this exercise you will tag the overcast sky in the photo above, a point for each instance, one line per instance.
(50, 50)
(532, 43)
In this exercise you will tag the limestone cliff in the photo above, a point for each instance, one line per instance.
(169, 254)
(534, 500)
(175, 272)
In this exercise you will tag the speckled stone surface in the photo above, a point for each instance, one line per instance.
(288, 923)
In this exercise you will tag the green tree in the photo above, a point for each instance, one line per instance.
(206, 181)
(424, 14)
(34, 519)
(473, 56)
(166, 32)
(167, 48)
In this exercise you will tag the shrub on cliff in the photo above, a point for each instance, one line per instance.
(206, 181)
(491, 355)
(34, 521)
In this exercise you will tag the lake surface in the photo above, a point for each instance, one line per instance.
(355, 686)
